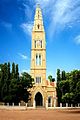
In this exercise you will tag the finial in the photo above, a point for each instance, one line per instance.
(38, 5)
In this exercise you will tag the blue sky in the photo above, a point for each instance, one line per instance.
(62, 27)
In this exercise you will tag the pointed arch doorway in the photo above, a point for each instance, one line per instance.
(38, 99)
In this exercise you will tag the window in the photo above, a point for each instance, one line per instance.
(49, 101)
(38, 16)
(38, 59)
(38, 43)
(38, 26)
(41, 43)
(35, 43)
(38, 79)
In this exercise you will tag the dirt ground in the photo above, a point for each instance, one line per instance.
(40, 114)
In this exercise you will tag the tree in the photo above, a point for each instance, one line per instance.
(13, 91)
(3, 81)
(68, 88)
(63, 75)
(8, 70)
(27, 82)
(13, 70)
(50, 78)
(14, 88)
(58, 75)
(59, 94)
(17, 72)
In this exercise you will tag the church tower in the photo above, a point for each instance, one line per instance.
(43, 91)
(38, 51)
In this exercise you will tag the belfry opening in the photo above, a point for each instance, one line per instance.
(38, 99)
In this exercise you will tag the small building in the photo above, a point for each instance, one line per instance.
(43, 91)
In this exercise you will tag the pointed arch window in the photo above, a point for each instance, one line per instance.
(41, 43)
(38, 59)
(38, 26)
(35, 43)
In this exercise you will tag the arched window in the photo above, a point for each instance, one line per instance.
(49, 101)
(38, 26)
(39, 59)
(35, 43)
(36, 59)
(41, 43)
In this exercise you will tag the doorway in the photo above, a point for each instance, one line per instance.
(39, 99)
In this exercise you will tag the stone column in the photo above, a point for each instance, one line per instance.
(26, 104)
(60, 104)
(46, 104)
(66, 104)
(7, 104)
(34, 104)
(54, 102)
(19, 104)
(71, 105)
(78, 104)
(43, 101)
(3, 104)
(12, 104)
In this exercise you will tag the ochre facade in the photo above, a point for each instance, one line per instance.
(43, 90)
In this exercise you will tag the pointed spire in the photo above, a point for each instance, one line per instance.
(38, 21)
(38, 14)
(38, 5)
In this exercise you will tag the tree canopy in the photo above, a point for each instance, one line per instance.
(68, 86)
(14, 88)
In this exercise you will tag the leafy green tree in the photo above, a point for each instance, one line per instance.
(3, 81)
(17, 72)
(8, 70)
(13, 91)
(14, 88)
(58, 75)
(13, 71)
(50, 78)
(63, 75)
(68, 90)
(27, 83)
(59, 94)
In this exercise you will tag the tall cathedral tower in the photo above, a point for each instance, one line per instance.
(38, 51)
(43, 90)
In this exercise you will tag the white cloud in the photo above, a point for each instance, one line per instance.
(7, 25)
(23, 56)
(77, 39)
(28, 11)
(27, 28)
(61, 13)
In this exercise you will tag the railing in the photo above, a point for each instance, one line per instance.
(62, 106)
(33, 106)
